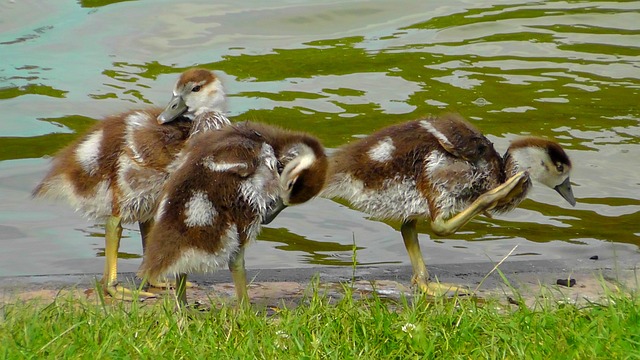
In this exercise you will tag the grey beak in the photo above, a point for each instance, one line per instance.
(565, 191)
(175, 108)
(273, 211)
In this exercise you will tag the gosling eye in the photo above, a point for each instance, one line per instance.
(196, 88)
(560, 167)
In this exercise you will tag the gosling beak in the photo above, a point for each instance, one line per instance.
(273, 211)
(565, 191)
(175, 108)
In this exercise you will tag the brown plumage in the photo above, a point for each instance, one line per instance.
(213, 204)
(115, 172)
(442, 169)
(86, 173)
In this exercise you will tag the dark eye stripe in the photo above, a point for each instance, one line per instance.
(196, 88)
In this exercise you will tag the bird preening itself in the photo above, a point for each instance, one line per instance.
(200, 187)
(227, 183)
(115, 172)
(444, 170)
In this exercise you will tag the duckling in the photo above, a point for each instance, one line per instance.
(115, 172)
(214, 202)
(444, 169)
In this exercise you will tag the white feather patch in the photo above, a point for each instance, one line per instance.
(398, 198)
(96, 206)
(88, 152)
(134, 122)
(433, 131)
(161, 209)
(434, 160)
(139, 188)
(382, 151)
(210, 164)
(199, 211)
(262, 188)
(268, 156)
(194, 260)
(207, 119)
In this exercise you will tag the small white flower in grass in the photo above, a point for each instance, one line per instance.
(409, 328)
(280, 341)
(565, 301)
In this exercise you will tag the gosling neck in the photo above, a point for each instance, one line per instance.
(208, 120)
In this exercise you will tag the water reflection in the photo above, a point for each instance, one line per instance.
(31, 89)
(36, 34)
(39, 146)
(564, 70)
(98, 3)
(317, 252)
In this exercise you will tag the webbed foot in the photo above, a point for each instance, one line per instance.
(167, 284)
(513, 187)
(119, 292)
(438, 289)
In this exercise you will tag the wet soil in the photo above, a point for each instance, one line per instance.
(528, 280)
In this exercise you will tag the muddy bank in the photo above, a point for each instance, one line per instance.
(273, 287)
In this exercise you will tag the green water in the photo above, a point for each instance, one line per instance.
(566, 70)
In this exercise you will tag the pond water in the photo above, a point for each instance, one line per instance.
(566, 70)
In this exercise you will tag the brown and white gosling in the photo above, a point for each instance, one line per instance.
(444, 169)
(215, 201)
(115, 172)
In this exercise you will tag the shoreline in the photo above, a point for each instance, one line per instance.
(273, 287)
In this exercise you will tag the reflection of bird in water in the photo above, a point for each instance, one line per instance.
(314, 252)
(116, 171)
(444, 169)
(227, 183)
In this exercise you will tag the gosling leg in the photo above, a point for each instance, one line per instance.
(487, 201)
(238, 273)
(181, 289)
(420, 273)
(145, 228)
(113, 234)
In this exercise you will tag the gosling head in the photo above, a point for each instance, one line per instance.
(302, 176)
(197, 91)
(546, 162)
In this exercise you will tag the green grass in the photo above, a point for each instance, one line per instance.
(321, 327)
